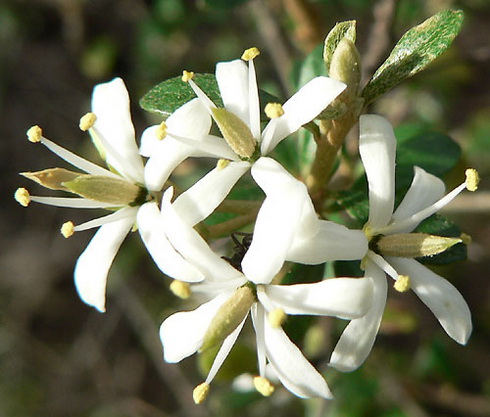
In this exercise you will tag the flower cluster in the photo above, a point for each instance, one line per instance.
(287, 227)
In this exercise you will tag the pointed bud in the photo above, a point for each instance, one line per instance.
(52, 178)
(277, 317)
(345, 65)
(67, 229)
(180, 289)
(236, 133)
(264, 386)
(414, 245)
(228, 317)
(22, 197)
(402, 283)
(107, 189)
(200, 393)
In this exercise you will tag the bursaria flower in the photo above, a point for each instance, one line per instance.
(233, 294)
(125, 188)
(393, 245)
(243, 142)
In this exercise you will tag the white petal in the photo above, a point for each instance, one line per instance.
(232, 78)
(192, 120)
(257, 313)
(276, 222)
(358, 337)
(149, 141)
(182, 334)
(93, 264)
(169, 261)
(301, 108)
(192, 246)
(293, 369)
(341, 297)
(253, 101)
(377, 146)
(110, 103)
(125, 213)
(199, 201)
(424, 191)
(442, 297)
(332, 242)
(211, 146)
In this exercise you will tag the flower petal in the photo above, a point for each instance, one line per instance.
(442, 297)
(199, 201)
(182, 334)
(332, 242)
(377, 146)
(293, 369)
(358, 337)
(192, 246)
(93, 264)
(301, 108)
(276, 223)
(110, 103)
(232, 78)
(192, 120)
(340, 297)
(169, 261)
(424, 191)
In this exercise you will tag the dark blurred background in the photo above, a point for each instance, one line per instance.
(60, 358)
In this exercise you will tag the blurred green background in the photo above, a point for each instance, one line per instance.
(60, 358)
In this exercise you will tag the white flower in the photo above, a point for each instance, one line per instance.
(425, 197)
(239, 122)
(184, 333)
(112, 131)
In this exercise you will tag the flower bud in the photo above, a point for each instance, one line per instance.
(52, 178)
(345, 65)
(229, 316)
(414, 245)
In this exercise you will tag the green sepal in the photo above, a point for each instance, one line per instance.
(417, 48)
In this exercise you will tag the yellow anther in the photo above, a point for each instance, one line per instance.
(87, 121)
(67, 229)
(187, 75)
(200, 393)
(250, 53)
(22, 197)
(222, 164)
(34, 134)
(162, 131)
(263, 385)
(273, 110)
(277, 317)
(402, 284)
(465, 238)
(472, 179)
(180, 289)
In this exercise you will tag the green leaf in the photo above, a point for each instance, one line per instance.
(173, 93)
(310, 67)
(340, 31)
(417, 48)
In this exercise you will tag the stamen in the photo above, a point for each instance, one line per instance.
(402, 283)
(277, 317)
(34, 134)
(472, 179)
(87, 121)
(222, 164)
(187, 75)
(180, 289)
(162, 131)
(67, 229)
(200, 393)
(22, 197)
(250, 53)
(263, 385)
(273, 110)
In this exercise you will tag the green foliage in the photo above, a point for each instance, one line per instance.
(417, 48)
(340, 31)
